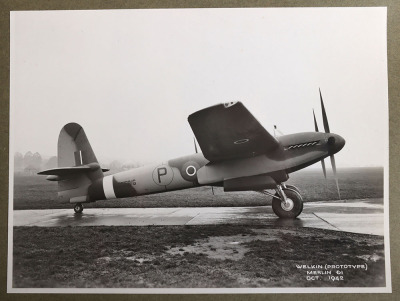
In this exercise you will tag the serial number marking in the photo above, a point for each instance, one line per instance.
(132, 182)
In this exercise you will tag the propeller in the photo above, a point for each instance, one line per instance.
(333, 163)
(324, 117)
(327, 130)
(322, 161)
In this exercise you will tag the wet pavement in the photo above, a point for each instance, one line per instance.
(357, 216)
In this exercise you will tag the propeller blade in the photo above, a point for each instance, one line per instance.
(323, 167)
(315, 122)
(324, 117)
(316, 129)
(195, 146)
(335, 174)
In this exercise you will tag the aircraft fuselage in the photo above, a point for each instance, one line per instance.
(296, 151)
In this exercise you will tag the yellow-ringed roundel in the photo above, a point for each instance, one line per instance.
(163, 175)
(189, 171)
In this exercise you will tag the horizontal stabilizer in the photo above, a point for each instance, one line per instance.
(66, 171)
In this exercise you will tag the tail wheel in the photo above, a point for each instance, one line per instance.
(78, 208)
(289, 209)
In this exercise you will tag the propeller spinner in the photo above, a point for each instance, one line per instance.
(335, 143)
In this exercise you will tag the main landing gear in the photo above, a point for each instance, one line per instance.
(78, 208)
(287, 202)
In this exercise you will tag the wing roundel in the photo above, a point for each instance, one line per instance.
(229, 131)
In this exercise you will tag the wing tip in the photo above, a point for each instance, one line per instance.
(221, 105)
(230, 104)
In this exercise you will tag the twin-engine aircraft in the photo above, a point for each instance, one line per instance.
(238, 154)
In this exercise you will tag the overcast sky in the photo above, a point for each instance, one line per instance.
(132, 77)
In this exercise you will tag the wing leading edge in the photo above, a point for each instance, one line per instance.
(229, 131)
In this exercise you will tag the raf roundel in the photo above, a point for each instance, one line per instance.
(191, 170)
(241, 141)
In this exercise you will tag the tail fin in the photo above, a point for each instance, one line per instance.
(77, 168)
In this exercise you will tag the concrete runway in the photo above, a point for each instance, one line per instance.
(357, 216)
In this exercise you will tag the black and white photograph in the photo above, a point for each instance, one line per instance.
(214, 150)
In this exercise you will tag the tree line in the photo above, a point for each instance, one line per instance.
(32, 162)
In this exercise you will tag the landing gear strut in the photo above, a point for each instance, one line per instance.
(78, 208)
(287, 202)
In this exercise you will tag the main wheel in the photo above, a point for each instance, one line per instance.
(293, 188)
(78, 208)
(293, 206)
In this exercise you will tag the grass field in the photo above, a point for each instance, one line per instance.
(191, 256)
(196, 256)
(34, 192)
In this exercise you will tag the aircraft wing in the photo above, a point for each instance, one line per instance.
(228, 131)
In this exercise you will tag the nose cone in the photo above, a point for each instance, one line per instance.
(335, 143)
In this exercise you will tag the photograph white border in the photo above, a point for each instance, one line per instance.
(286, 290)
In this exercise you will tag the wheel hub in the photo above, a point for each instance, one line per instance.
(287, 205)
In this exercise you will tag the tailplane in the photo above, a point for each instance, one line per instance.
(77, 168)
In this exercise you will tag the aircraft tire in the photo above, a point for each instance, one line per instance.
(294, 208)
(78, 208)
(293, 188)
